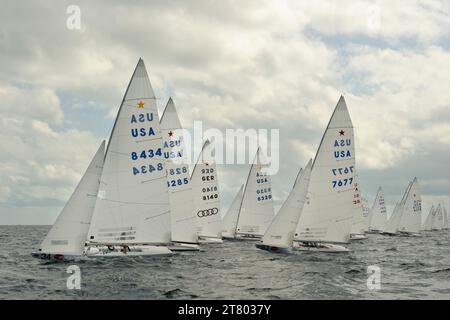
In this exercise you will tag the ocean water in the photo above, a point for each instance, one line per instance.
(410, 268)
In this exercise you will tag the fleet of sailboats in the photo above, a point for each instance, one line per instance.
(139, 198)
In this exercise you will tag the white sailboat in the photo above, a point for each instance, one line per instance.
(132, 213)
(328, 213)
(378, 214)
(182, 207)
(66, 238)
(280, 234)
(358, 225)
(394, 220)
(207, 201)
(256, 210)
(231, 217)
(429, 220)
(438, 221)
(411, 218)
(446, 222)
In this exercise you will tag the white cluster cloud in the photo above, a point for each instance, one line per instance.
(252, 64)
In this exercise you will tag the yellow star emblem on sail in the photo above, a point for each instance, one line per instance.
(141, 105)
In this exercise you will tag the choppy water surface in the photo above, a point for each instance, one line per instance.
(411, 268)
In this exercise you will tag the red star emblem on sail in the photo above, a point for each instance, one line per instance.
(170, 133)
(342, 132)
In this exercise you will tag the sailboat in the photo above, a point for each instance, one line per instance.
(429, 220)
(378, 214)
(394, 220)
(66, 238)
(327, 216)
(207, 201)
(183, 222)
(231, 217)
(411, 217)
(446, 222)
(280, 234)
(358, 225)
(438, 221)
(256, 208)
(132, 212)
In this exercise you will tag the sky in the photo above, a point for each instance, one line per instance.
(230, 64)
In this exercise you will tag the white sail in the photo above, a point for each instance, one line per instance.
(410, 220)
(366, 213)
(429, 220)
(133, 201)
(281, 231)
(438, 221)
(378, 214)
(68, 233)
(231, 217)
(206, 192)
(396, 216)
(257, 210)
(446, 225)
(182, 207)
(328, 212)
(358, 224)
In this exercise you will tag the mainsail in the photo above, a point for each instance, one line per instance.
(359, 221)
(366, 213)
(446, 225)
(438, 221)
(378, 214)
(133, 201)
(429, 220)
(329, 209)
(256, 210)
(206, 193)
(412, 210)
(68, 233)
(281, 231)
(182, 207)
(231, 217)
(394, 220)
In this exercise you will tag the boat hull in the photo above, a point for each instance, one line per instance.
(134, 251)
(320, 247)
(273, 249)
(209, 240)
(180, 247)
(59, 257)
(358, 237)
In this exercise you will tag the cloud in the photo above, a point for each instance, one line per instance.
(256, 64)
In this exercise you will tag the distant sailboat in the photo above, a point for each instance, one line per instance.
(410, 220)
(280, 234)
(446, 222)
(328, 213)
(181, 196)
(231, 217)
(256, 210)
(66, 238)
(132, 212)
(207, 201)
(394, 220)
(359, 222)
(429, 220)
(438, 221)
(378, 214)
